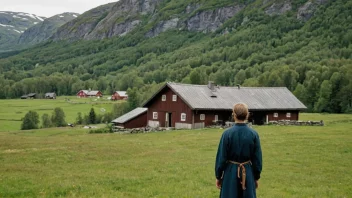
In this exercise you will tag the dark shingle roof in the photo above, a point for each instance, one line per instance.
(223, 98)
(130, 115)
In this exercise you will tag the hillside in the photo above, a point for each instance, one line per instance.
(45, 29)
(302, 45)
(82, 25)
(12, 25)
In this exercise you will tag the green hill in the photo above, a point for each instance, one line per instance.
(303, 45)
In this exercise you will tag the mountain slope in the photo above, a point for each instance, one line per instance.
(12, 25)
(305, 46)
(82, 25)
(45, 29)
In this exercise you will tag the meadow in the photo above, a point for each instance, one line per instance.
(299, 161)
(12, 111)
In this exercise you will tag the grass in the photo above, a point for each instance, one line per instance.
(299, 161)
(12, 111)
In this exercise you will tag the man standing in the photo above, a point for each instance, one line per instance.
(239, 158)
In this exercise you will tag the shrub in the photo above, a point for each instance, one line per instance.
(30, 121)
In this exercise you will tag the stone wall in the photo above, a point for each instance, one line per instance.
(297, 123)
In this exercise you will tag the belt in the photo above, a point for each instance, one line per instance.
(241, 171)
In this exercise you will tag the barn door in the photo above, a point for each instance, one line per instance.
(168, 122)
(166, 119)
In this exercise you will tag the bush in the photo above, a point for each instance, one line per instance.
(107, 129)
(46, 121)
(30, 121)
(58, 117)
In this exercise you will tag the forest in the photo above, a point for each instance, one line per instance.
(313, 59)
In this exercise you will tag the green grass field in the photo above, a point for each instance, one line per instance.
(299, 161)
(12, 111)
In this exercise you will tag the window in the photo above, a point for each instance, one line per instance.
(174, 98)
(163, 98)
(276, 115)
(202, 116)
(155, 115)
(288, 115)
(183, 117)
(216, 117)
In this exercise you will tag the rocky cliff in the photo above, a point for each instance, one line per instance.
(45, 29)
(84, 24)
(152, 17)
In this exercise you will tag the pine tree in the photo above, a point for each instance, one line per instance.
(92, 116)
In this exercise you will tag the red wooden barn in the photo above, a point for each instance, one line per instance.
(134, 119)
(88, 93)
(197, 106)
(119, 95)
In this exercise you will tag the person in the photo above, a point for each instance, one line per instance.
(239, 158)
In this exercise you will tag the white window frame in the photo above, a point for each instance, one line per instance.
(216, 118)
(288, 115)
(183, 117)
(155, 115)
(276, 115)
(202, 117)
(174, 98)
(163, 98)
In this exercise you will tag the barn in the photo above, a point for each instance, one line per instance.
(197, 106)
(134, 119)
(50, 95)
(119, 95)
(89, 93)
(29, 96)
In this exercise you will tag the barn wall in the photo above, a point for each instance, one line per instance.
(175, 107)
(137, 122)
(282, 115)
(210, 116)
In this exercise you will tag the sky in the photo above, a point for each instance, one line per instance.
(48, 8)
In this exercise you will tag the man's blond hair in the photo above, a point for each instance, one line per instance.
(240, 111)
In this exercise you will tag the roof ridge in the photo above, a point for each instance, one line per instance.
(193, 85)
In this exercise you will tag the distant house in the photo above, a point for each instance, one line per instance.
(50, 95)
(29, 96)
(197, 106)
(119, 95)
(88, 93)
(134, 119)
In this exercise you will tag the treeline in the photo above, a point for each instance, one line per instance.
(312, 59)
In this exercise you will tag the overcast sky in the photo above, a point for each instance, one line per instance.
(48, 8)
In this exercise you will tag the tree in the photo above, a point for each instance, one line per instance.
(92, 116)
(133, 98)
(240, 77)
(46, 121)
(30, 121)
(58, 117)
(79, 119)
(324, 97)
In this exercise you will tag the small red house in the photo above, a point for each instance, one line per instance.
(87, 93)
(136, 118)
(119, 95)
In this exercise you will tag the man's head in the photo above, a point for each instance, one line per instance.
(240, 111)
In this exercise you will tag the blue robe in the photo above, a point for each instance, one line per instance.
(240, 144)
